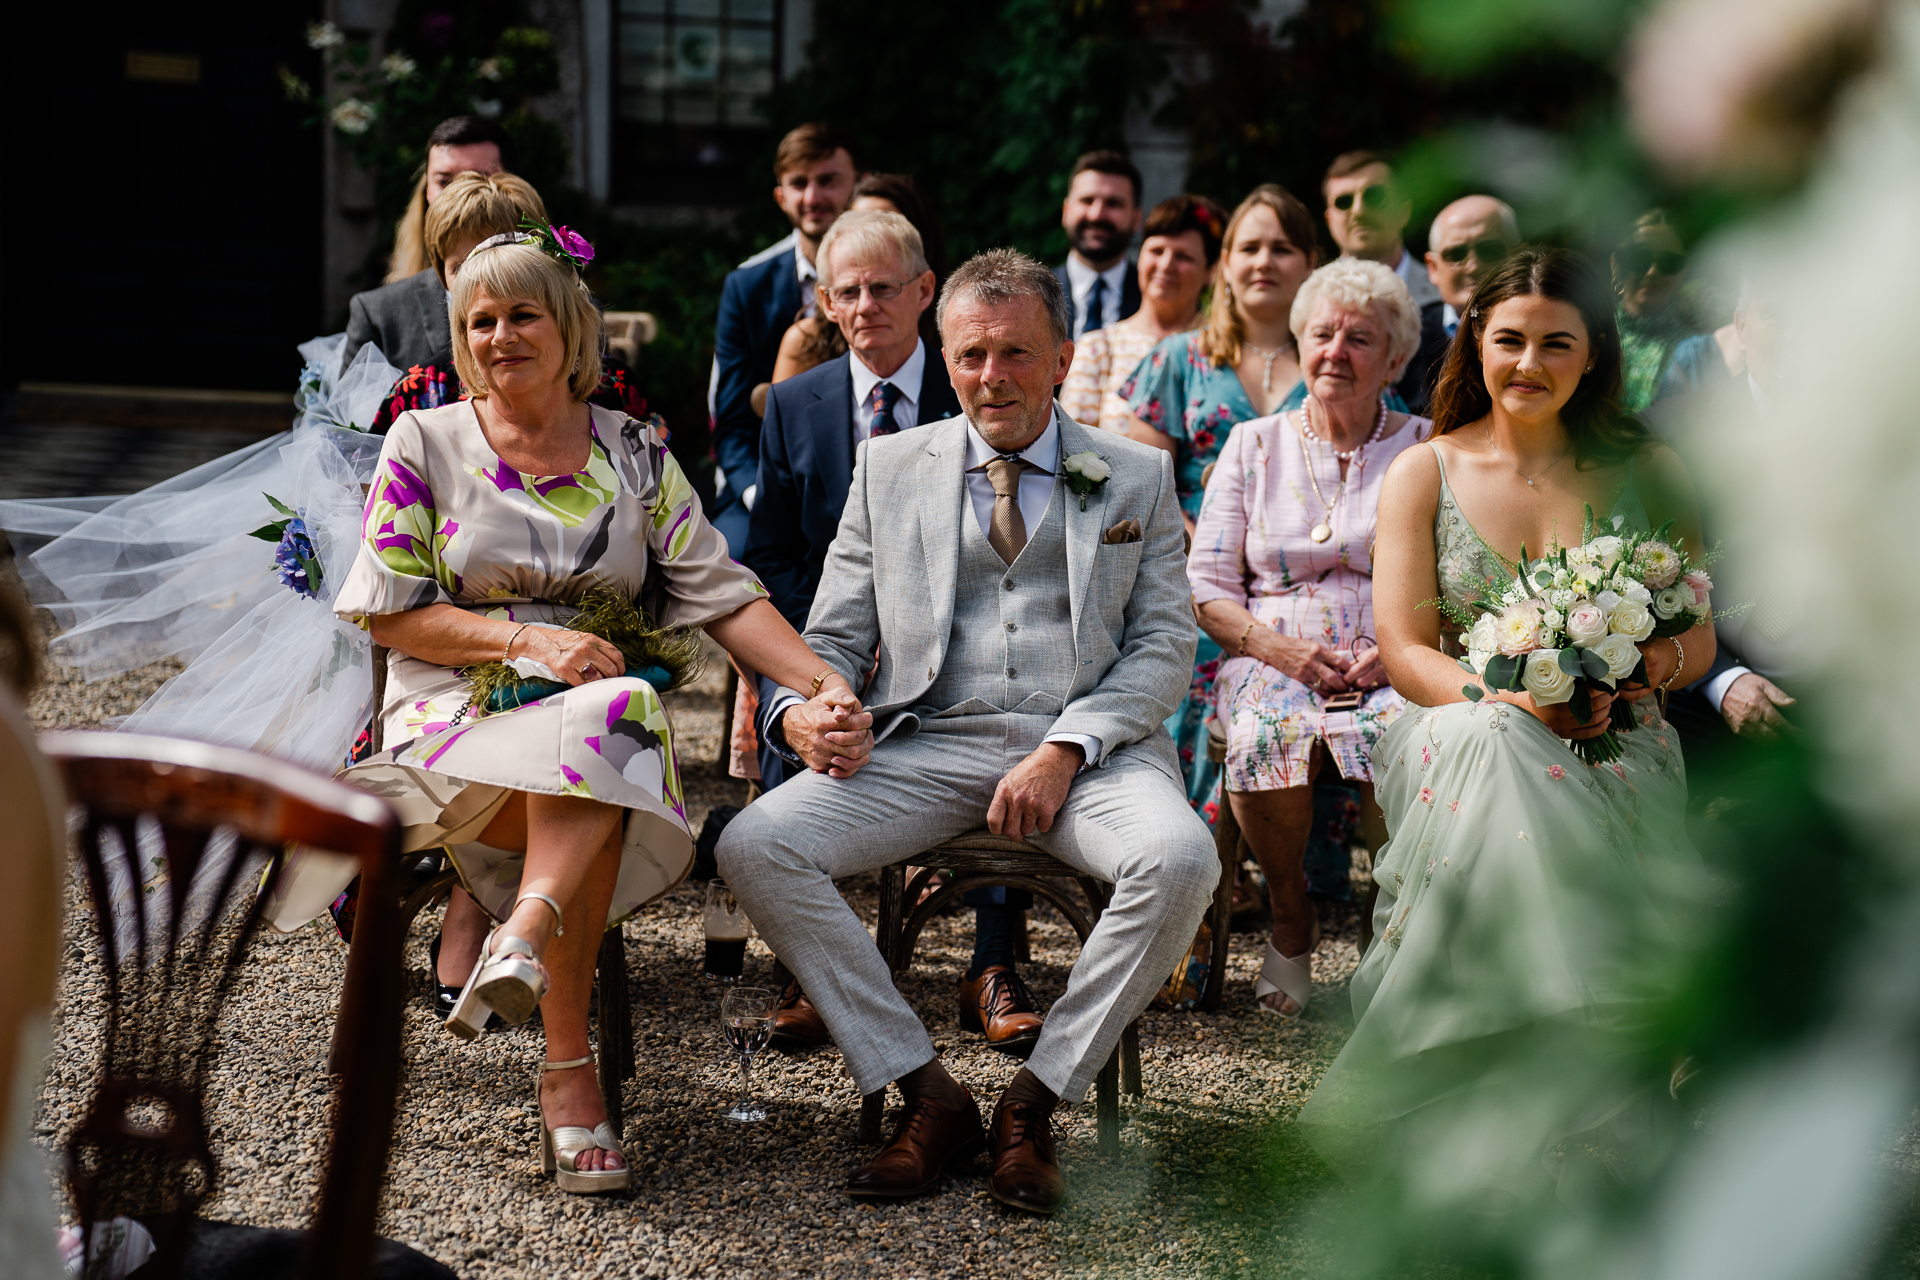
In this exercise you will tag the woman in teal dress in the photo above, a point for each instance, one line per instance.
(1524, 894)
(1193, 388)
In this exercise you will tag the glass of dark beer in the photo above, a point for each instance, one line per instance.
(725, 923)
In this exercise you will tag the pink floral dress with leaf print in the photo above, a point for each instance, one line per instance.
(448, 522)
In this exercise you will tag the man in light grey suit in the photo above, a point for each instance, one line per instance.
(1029, 641)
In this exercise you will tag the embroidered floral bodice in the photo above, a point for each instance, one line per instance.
(1471, 570)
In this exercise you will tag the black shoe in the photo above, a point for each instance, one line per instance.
(444, 996)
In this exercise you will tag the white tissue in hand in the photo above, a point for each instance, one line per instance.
(533, 668)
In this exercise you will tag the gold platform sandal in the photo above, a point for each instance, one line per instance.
(506, 980)
(560, 1146)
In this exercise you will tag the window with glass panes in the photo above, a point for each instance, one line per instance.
(690, 77)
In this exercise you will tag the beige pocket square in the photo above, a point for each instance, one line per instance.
(1125, 531)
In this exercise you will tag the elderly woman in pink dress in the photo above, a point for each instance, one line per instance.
(1282, 580)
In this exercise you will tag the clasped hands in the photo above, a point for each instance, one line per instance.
(1321, 668)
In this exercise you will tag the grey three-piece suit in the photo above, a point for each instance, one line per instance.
(978, 662)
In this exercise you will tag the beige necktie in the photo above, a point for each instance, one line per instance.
(1007, 531)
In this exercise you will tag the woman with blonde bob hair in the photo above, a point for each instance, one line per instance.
(1282, 575)
(495, 527)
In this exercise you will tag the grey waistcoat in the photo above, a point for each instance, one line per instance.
(1011, 646)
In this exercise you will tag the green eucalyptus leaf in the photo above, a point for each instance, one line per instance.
(1570, 660)
(1595, 665)
(1472, 692)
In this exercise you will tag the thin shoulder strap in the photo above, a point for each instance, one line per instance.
(1442, 461)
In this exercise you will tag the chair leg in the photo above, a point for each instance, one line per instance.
(1226, 842)
(873, 1109)
(1107, 1106)
(1130, 1061)
(615, 1029)
(893, 921)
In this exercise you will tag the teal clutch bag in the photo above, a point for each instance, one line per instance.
(521, 692)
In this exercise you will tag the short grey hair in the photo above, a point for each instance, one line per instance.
(1509, 220)
(1002, 275)
(1355, 284)
(869, 230)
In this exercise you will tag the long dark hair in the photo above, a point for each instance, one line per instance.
(1600, 431)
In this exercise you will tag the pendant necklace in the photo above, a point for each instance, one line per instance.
(1516, 470)
(1324, 530)
(1266, 374)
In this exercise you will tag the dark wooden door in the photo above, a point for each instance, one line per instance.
(164, 226)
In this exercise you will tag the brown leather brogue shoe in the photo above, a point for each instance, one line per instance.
(1026, 1170)
(998, 1005)
(796, 1023)
(929, 1137)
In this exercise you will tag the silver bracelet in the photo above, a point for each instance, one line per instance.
(506, 654)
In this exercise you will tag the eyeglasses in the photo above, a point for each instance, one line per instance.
(848, 295)
(1635, 259)
(1372, 196)
(1492, 249)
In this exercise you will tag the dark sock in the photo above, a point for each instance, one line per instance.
(933, 1082)
(1027, 1087)
(994, 929)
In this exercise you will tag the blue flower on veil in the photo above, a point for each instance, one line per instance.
(294, 559)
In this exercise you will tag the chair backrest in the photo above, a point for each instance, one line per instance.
(180, 844)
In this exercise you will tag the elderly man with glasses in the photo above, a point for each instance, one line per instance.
(1469, 238)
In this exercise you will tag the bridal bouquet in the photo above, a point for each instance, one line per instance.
(1577, 617)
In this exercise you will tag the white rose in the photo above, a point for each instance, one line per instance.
(1637, 593)
(1543, 678)
(1672, 601)
(1608, 601)
(1586, 623)
(1620, 654)
(1632, 619)
(1089, 464)
(1482, 642)
(1561, 577)
(1606, 550)
(1561, 600)
(1554, 619)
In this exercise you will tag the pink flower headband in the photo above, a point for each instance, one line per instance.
(567, 247)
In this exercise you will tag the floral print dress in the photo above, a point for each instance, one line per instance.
(1522, 892)
(448, 522)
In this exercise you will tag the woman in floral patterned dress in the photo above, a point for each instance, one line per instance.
(1193, 387)
(486, 518)
(1282, 570)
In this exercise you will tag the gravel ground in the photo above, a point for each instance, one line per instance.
(1208, 1179)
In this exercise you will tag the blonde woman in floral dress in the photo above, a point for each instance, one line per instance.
(486, 519)
(1282, 568)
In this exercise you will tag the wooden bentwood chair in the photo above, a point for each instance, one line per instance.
(980, 859)
(219, 818)
(429, 877)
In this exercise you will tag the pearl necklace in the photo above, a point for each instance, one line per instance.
(1323, 530)
(1346, 455)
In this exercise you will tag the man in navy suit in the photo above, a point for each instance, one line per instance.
(1101, 216)
(874, 284)
(815, 172)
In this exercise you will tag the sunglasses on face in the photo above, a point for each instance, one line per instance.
(1635, 260)
(1492, 249)
(1372, 196)
(848, 295)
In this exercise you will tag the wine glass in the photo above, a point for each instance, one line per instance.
(746, 1020)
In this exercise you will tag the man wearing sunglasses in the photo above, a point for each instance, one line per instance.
(1471, 237)
(1367, 214)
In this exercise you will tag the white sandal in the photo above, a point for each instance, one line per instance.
(560, 1147)
(1290, 976)
(506, 980)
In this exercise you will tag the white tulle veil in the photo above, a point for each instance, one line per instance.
(174, 572)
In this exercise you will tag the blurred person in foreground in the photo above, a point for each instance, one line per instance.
(488, 521)
(1468, 239)
(1522, 888)
(1016, 584)
(1280, 570)
(1177, 257)
(406, 317)
(476, 207)
(814, 171)
(1649, 268)
(1101, 215)
(32, 861)
(815, 339)
(1194, 387)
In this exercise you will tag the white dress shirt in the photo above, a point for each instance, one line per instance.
(809, 274)
(1449, 318)
(1413, 273)
(907, 379)
(1080, 278)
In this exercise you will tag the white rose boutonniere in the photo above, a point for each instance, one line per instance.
(1085, 473)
